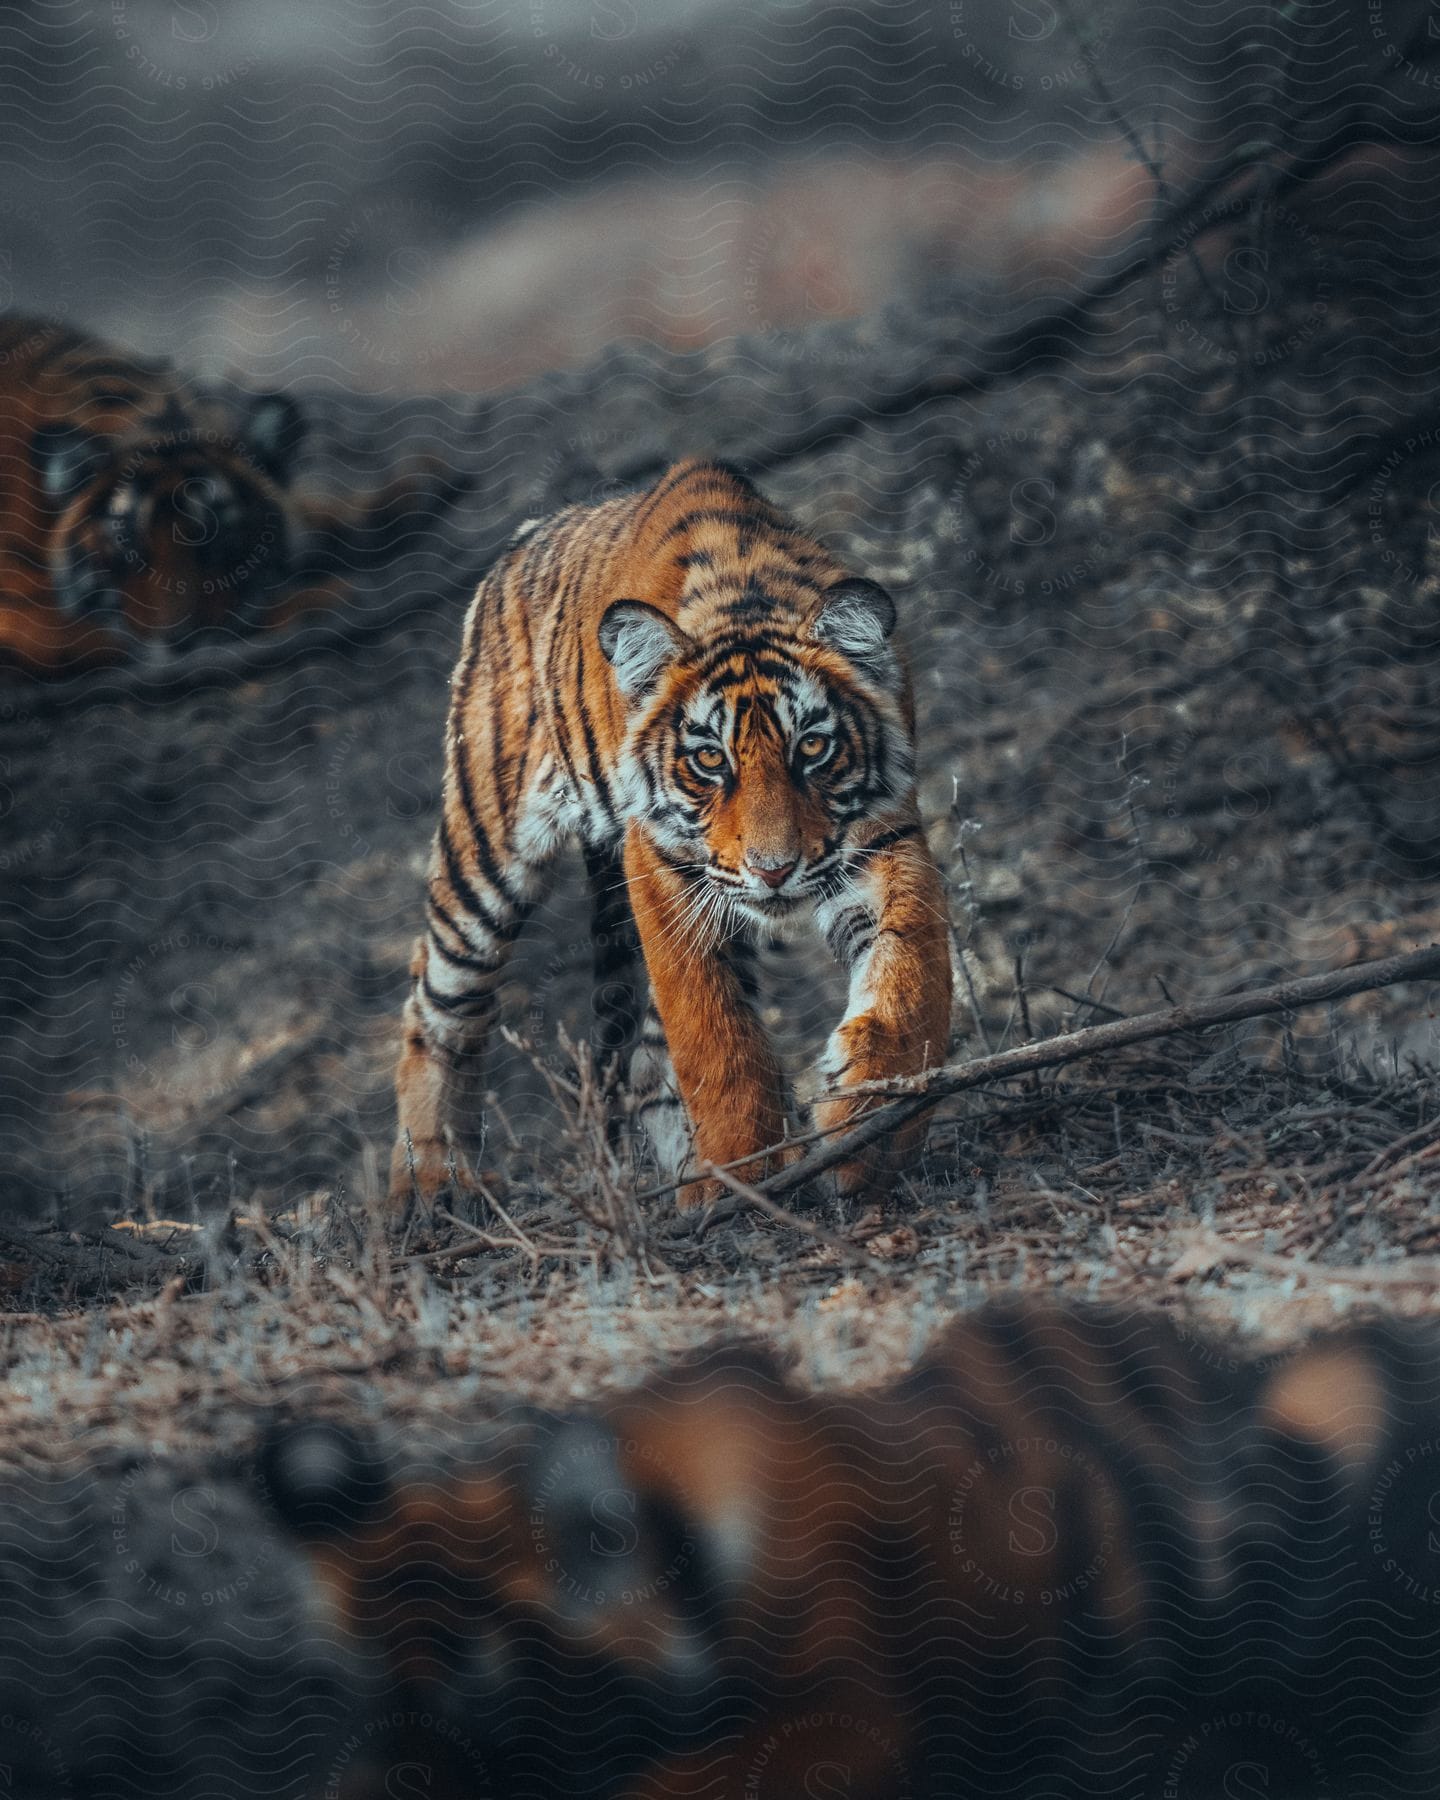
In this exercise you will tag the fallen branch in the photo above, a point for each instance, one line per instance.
(903, 1098)
(1047, 334)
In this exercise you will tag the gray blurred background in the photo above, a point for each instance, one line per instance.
(463, 193)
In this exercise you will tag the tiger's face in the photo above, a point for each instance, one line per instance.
(753, 761)
(165, 532)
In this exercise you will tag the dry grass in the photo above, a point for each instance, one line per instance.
(1247, 1194)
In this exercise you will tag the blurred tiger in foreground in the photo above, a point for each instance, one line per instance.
(1070, 1553)
(134, 514)
(716, 708)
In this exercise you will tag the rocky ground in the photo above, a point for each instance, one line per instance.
(1174, 629)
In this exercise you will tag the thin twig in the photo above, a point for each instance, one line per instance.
(492, 1201)
(744, 1197)
(1153, 167)
(475, 1241)
(1400, 1149)
(1088, 1000)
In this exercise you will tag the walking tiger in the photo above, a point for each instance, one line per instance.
(694, 688)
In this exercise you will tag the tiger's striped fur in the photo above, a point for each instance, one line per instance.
(135, 514)
(1073, 1552)
(700, 693)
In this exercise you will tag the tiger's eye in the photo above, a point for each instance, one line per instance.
(814, 745)
(710, 758)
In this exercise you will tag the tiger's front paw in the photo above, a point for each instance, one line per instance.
(700, 1193)
(874, 1169)
(428, 1171)
(708, 1189)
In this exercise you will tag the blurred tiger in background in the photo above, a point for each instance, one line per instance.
(1070, 1553)
(136, 514)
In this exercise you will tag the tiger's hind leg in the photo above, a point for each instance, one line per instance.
(627, 1039)
(472, 925)
(656, 1102)
(617, 974)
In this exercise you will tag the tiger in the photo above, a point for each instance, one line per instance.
(136, 515)
(705, 697)
(1073, 1550)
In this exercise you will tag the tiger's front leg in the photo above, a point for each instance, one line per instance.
(893, 932)
(724, 1065)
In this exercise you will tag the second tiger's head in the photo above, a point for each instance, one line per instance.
(178, 527)
(754, 758)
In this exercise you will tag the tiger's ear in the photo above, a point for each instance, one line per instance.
(320, 1478)
(855, 618)
(273, 428)
(66, 458)
(638, 642)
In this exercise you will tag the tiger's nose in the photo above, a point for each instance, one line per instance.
(772, 873)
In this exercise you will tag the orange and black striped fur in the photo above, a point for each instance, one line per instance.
(1071, 1553)
(135, 514)
(716, 708)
